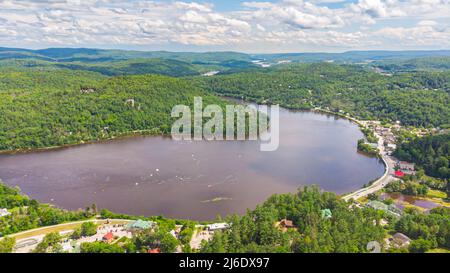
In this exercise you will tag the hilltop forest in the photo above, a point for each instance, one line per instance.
(62, 103)
(418, 99)
(56, 97)
(431, 153)
(53, 107)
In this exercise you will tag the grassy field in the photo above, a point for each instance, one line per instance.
(437, 194)
(439, 250)
(59, 228)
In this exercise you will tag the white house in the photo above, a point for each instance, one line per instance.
(4, 212)
(218, 226)
(403, 165)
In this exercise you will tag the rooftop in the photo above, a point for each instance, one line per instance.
(286, 223)
(399, 174)
(108, 236)
(402, 237)
(326, 213)
(140, 224)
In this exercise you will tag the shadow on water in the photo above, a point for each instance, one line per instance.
(196, 180)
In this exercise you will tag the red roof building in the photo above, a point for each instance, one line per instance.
(108, 237)
(153, 251)
(399, 174)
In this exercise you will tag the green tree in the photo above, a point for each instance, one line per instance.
(420, 246)
(100, 247)
(50, 244)
(7, 244)
(88, 229)
(159, 238)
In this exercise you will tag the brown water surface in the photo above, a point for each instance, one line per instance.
(196, 180)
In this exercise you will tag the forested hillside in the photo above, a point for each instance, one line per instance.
(417, 64)
(136, 66)
(28, 214)
(46, 106)
(98, 55)
(345, 231)
(431, 153)
(420, 99)
(122, 62)
(42, 108)
(322, 224)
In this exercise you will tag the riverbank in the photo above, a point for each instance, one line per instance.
(148, 132)
(388, 162)
(326, 115)
(388, 176)
(182, 175)
(63, 227)
(132, 134)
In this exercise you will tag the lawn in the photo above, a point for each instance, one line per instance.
(439, 250)
(436, 194)
(59, 228)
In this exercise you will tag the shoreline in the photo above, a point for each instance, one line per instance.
(147, 132)
(157, 133)
(132, 134)
(377, 184)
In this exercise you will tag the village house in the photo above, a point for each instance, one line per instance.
(406, 167)
(399, 240)
(130, 102)
(326, 213)
(285, 224)
(154, 251)
(217, 226)
(4, 212)
(403, 165)
(174, 233)
(399, 174)
(140, 225)
(373, 145)
(108, 237)
(390, 209)
(390, 147)
(87, 90)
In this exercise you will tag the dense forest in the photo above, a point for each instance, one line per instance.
(428, 230)
(321, 223)
(57, 97)
(417, 64)
(99, 55)
(49, 106)
(431, 153)
(419, 99)
(53, 107)
(167, 67)
(28, 213)
(345, 230)
(136, 66)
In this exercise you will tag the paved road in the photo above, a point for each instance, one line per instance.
(387, 177)
(61, 227)
(26, 241)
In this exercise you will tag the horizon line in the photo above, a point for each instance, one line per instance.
(227, 51)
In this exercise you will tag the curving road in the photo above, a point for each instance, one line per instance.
(380, 183)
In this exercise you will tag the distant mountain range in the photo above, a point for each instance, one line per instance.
(117, 62)
(89, 54)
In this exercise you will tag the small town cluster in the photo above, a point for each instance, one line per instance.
(112, 232)
(383, 139)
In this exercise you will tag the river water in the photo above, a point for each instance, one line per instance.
(195, 180)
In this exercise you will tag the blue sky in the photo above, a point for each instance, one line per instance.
(230, 5)
(211, 25)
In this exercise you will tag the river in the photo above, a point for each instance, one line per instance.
(195, 180)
